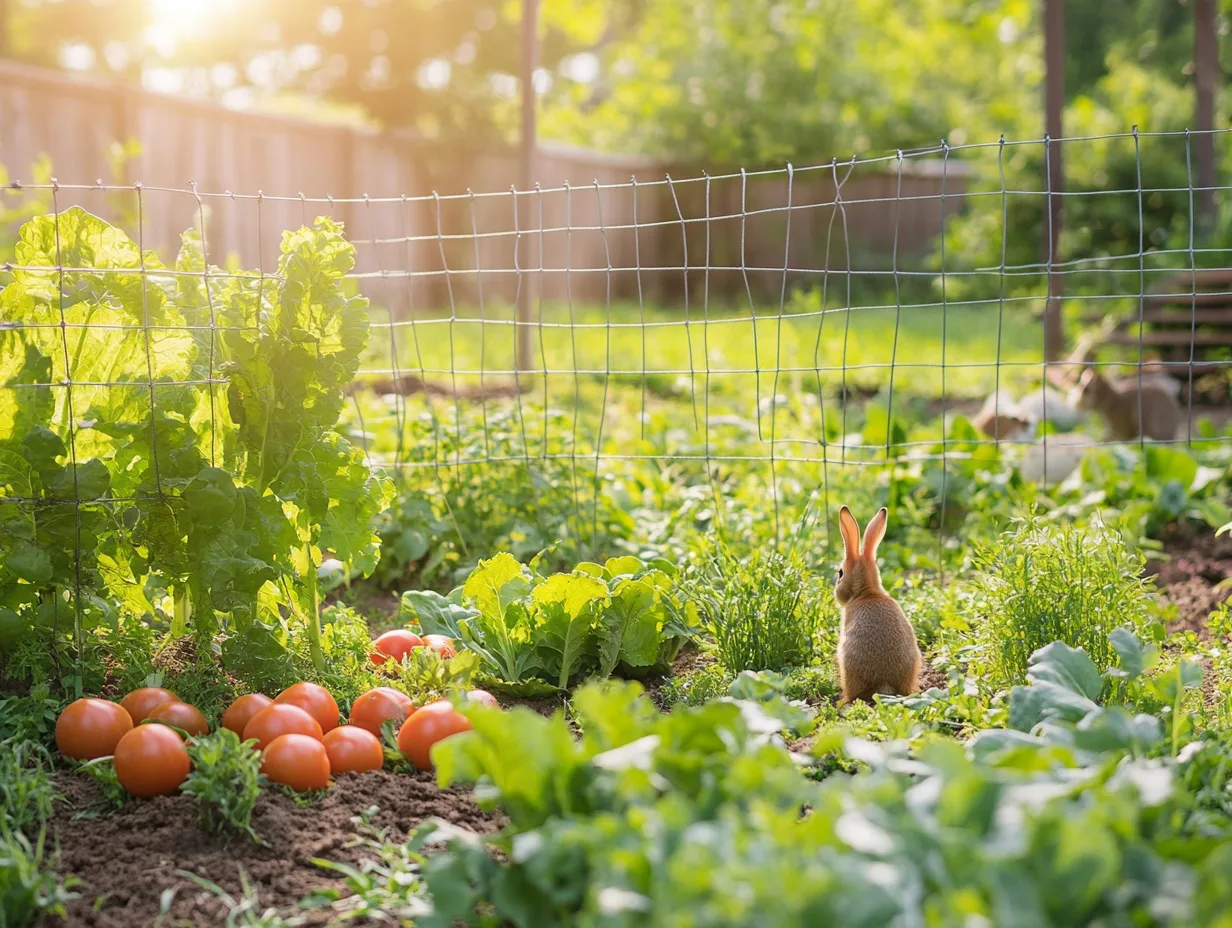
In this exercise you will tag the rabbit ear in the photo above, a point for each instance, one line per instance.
(873, 533)
(851, 532)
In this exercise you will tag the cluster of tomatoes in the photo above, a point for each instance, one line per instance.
(396, 644)
(298, 734)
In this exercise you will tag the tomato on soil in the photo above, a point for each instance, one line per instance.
(429, 726)
(394, 644)
(483, 697)
(353, 750)
(297, 761)
(140, 703)
(90, 728)
(280, 719)
(151, 760)
(240, 712)
(441, 644)
(371, 710)
(313, 699)
(181, 715)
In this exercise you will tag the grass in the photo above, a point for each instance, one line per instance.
(714, 352)
(1048, 582)
(763, 613)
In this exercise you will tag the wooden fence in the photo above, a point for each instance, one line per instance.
(594, 232)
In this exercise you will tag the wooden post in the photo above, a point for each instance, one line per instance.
(530, 61)
(1206, 81)
(1054, 105)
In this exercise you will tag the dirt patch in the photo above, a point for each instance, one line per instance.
(378, 606)
(127, 859)
(1189, 577)
(931, 677)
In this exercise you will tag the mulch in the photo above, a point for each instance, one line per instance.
(127, 859)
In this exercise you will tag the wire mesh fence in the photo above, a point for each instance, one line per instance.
(789, 326)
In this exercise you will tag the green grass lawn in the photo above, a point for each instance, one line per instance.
(934, 350)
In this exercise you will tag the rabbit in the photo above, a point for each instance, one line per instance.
(1000, 418)
(1118, 405)
(877, 650)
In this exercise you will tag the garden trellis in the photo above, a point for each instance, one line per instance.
(792, 324)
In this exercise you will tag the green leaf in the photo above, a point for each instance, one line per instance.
(435, 614)
(1067, 667)
(31, 564)
(1164, 464)
(1134, 659)
(210, 496)
(630, 626)
(1044, 700)
(43, 447)
(567, 604)
(495, 583)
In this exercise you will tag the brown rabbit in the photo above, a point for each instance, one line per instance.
(1118, 404)
(877, 650)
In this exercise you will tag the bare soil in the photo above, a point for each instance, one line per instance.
(127, 859)
(1189, 576)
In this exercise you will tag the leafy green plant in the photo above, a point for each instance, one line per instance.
(536, 634)
(1045, 582)
(26, 792)
(226, 781)
(227, 501)
(28, 889)
(761, 611)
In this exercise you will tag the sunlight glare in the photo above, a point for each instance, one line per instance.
(183, 18)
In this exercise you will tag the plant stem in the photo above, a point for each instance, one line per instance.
(182, 612)
(314, 611)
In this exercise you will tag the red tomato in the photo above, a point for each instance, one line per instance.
(280, 719)
(90, 728)
(483, 697)
(240, 712)
(426, 727)
(151, 760)
(441, 644)
(313, 699)
(297, 761)
(353, 750)
(371, 710)
(140, 703)
(181, 715)
(395, 644)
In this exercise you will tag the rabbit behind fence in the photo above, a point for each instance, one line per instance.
(877, 650)
(1119, 405)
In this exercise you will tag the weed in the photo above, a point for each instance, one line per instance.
(26, 793)
(762, 613)
(102, 770)
(696, 687)
(226, 781)
(1045, 583)
(384, 886)
(28, 888)
(244, 912)
(29, 718)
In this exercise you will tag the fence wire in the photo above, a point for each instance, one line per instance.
(794, 323)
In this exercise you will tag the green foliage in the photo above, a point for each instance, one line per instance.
(385, 884)
(1045, 582)
(29, 719)
(224, 502)
(28, 889)
(226, 781)
(695, 817)
(26, 792)
(726, 84)
(536, 634)
(762, 611)
(245, 911)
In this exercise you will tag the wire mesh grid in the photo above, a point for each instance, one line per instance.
(794, 323)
